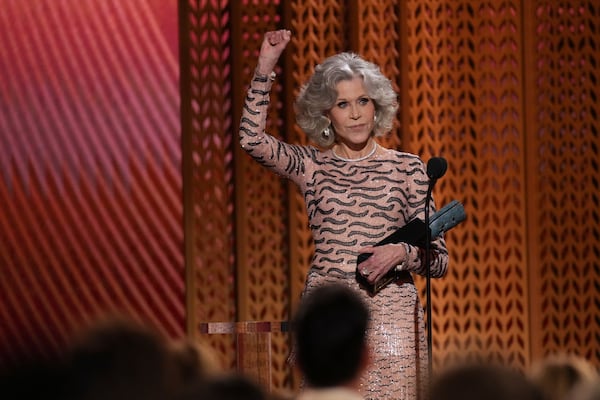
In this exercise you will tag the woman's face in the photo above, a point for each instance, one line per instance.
(352, 116)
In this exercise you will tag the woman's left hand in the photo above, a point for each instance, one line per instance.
(383, 259)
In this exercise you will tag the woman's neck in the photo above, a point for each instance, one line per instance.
(347, 153)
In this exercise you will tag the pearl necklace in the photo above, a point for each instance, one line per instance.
(356, 159)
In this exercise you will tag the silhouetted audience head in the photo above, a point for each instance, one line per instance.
(33, 379)
(231, 386)
(193, 360)
(477, 381)
(585, 391)
(558, 374)
(119, 359)
(330, 336)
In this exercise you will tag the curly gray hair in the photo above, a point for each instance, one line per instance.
(319, 95)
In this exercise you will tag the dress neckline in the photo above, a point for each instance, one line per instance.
(375, 145)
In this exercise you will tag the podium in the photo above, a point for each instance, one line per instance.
(253, 345)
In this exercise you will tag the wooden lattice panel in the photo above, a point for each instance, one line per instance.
(459, 70)
(464, 84)
(212, 183)
(378, 34)
(565, 143)
(261, 209)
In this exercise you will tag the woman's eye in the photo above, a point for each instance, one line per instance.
(364, 100)
(342, 104)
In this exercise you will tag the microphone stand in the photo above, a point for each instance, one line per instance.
(428, 276)
(436, 168)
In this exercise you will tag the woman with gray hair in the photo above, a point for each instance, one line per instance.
(356, 193)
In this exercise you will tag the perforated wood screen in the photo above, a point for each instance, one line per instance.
(465, 77)
(562, 176)
(506, 91)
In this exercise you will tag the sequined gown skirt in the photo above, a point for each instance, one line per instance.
(396, 337)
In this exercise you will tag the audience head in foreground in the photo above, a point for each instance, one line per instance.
(585, 391)
(118, 358)
(483, 381)
(330, 337)
(227, 386)
(558, 375)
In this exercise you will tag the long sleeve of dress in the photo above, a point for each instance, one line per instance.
(285, 159)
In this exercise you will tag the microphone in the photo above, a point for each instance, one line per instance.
(436, 167)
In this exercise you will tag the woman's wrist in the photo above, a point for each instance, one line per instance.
(265, 66)
(266, 76)
(404, 263)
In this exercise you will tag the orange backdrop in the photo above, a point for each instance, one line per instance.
(505, 90)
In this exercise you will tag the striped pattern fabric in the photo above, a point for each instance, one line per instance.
(90, 184)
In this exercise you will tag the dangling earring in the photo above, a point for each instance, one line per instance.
(326, 132)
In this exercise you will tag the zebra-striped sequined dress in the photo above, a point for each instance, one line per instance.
(351, 204)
